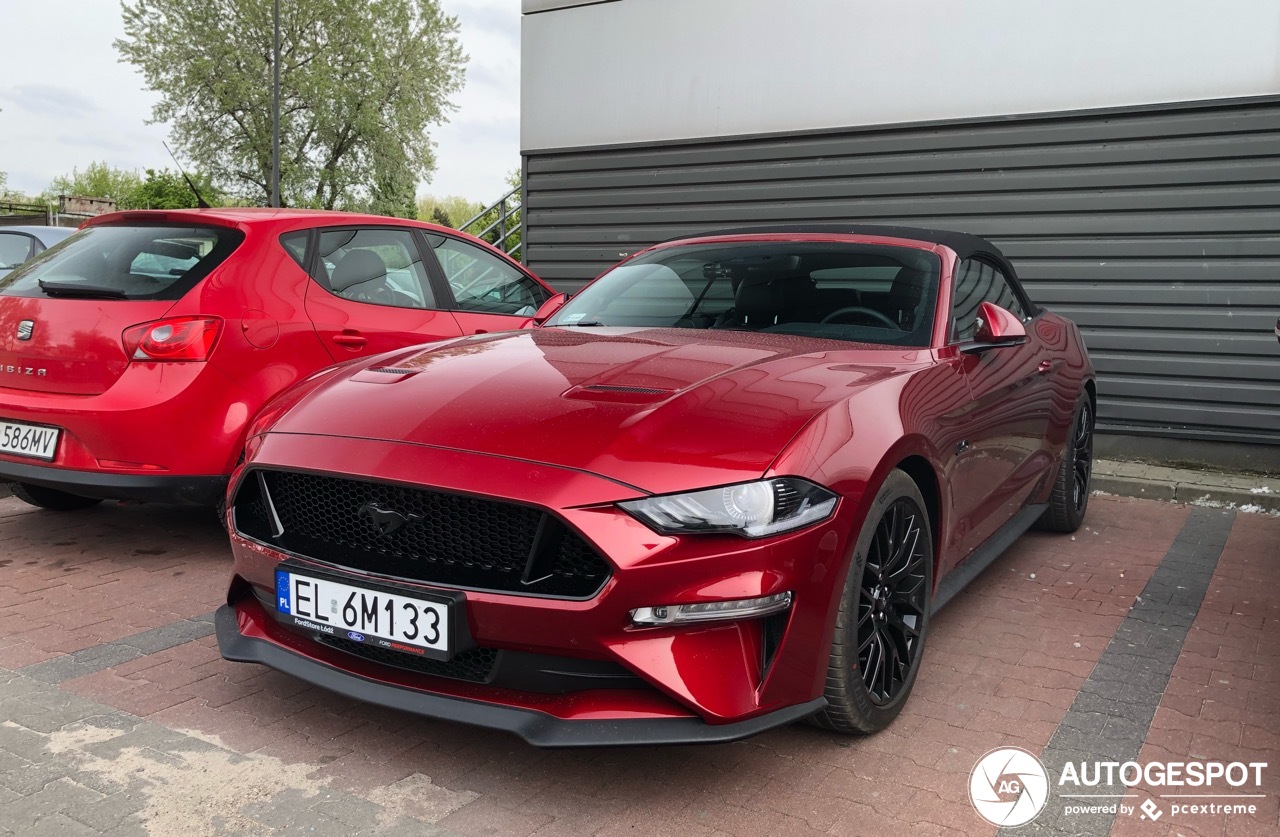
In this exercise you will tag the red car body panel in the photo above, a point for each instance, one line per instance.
(522, 395)
(574, 421)
(174, 431)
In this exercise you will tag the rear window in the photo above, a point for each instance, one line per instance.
(125, 262)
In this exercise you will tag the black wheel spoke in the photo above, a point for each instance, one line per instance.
(892, 601)
(1082, 454)
(902, 631)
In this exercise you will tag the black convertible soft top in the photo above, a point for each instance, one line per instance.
(964, 244)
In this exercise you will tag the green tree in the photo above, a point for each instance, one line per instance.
(98, 180)
(165, 189)
(13, 196)
(449, 211)
(454, 211)
(160, 189)
(492, 217)
(361, 82)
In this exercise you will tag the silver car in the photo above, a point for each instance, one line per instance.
(17, 244)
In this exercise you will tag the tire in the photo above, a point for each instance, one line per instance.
(863, 704)
(221, 511)
(50, 498)
(1070, 497)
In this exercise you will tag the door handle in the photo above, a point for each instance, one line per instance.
(351, 341)
(1045, 367)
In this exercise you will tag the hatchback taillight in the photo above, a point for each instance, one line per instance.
(175, 339)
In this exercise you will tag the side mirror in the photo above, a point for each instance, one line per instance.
(996, 328)
(546, 309)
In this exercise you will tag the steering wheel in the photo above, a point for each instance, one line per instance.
(858, 309)
(378, 295)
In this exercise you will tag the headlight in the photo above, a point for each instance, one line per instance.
(749, 509)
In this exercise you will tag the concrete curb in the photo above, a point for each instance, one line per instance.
(1183, 485)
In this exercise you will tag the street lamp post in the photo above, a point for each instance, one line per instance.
(275, 106)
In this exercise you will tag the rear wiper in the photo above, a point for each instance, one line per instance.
(78, 290)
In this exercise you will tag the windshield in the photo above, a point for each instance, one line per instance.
(858, 292)
(124, 262)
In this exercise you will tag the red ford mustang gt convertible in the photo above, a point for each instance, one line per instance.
(134, 354)
(720, 490)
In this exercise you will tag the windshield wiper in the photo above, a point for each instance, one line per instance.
(83, 291)
(589, 324)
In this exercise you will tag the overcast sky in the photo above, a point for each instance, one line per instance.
(66, 101)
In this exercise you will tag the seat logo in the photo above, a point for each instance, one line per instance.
(26, 328)
(386, 521)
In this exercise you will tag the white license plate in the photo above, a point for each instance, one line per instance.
(386, 620)
(29, 440)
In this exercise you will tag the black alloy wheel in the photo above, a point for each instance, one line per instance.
(1069, 498)
(1083, 445)
(891, 607)
(883, 612)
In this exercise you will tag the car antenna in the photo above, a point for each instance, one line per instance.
(200, 201)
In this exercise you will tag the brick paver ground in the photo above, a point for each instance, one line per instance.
(118, 716)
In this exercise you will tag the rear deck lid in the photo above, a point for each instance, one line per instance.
(64, 313)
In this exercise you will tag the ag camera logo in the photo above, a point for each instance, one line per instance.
(1008, 787)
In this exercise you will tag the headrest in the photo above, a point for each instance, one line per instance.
(908, 287)
(356, 267)
(761, 299)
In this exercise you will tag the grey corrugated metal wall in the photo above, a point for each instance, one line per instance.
(1156, 229)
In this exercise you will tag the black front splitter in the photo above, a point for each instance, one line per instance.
(537, 728)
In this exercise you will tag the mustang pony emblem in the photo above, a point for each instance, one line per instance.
(386, 521)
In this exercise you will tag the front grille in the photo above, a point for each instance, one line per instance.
(419, 534)
(475, 665)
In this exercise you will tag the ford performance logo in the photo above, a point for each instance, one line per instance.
(26, 328)
(386, 520)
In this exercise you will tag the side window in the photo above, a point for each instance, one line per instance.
(14, 250)
(483, 282)
(374, 265)
(978, 282)
(295, 244)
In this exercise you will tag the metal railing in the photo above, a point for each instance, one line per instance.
(25, 213)
(498, 222)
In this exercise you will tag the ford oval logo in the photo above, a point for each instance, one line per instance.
(355, 636)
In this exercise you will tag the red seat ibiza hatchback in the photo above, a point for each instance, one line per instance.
(134, 354)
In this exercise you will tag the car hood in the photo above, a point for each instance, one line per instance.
(660, 410)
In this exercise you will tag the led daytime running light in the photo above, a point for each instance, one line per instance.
(711, 611)
(749, 510)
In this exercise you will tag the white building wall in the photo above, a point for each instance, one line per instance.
(627, 71)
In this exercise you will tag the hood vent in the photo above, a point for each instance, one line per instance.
(626, 390)
(392, 370)
(615, 394)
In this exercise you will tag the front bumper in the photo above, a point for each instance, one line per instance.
(538, 728)
(733, 678)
